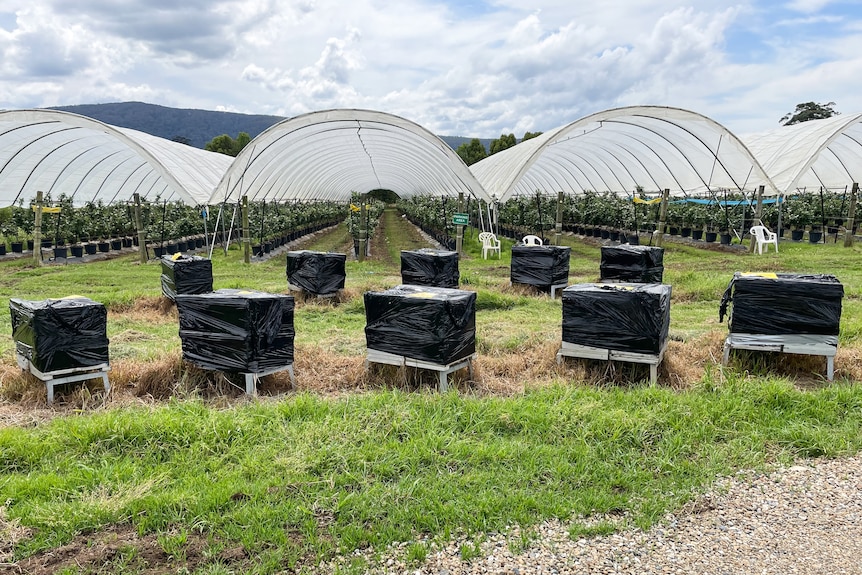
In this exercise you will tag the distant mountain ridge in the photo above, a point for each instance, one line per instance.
(196, 127)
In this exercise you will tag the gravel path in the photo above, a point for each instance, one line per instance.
(806, 519)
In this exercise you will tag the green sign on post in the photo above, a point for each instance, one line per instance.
(461, 219)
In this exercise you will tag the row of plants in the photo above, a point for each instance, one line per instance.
(608, 215)
(433, 215)
(373, 210)
(273, 224)
(169, 226)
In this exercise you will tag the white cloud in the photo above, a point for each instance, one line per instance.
(506, 68)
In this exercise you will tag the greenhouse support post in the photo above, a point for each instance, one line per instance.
(459, 230)
(758, 212)
(142, 235)
(558, 230)
(662, 217)
(851, 215)
(37, 231)
(363, 231)
(246, 240)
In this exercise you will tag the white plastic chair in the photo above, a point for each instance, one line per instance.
(490, 243)
(764, 237)
(532, 241)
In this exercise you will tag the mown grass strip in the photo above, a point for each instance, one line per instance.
(310, 477)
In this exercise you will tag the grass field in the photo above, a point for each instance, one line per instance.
(178, 472)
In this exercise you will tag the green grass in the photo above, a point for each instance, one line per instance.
(298, 479)
(310, 477)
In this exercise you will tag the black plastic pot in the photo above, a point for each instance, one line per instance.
(17, 247)
(117, 244)
(697, 234)
(724, 239)
(815, 236)
(104, 247)
(673, 230)
(30, 245)
(615, 236)
(606, 234)
(158, 251)
(182, 246)
(685, 232)
(90, 249)
(46, 243)
(172, 248)
(711, 236)
(796, 235)
(61, 252)
(2, 249)
(632, 239)
(77, 251)
(127, 242)
(199, 242)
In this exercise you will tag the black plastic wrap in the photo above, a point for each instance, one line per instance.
(432, 324)
(540, 266)
(59, 334)
(427, 267)
(186, 275)
(319, 273)
(781, 304)
(237, 330)
(630, 317)
(639, 264)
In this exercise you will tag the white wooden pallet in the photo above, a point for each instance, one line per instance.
(252, 379)
(568, 349)
(803, 344)
(61, 376)
(376, 356)
(554, 287)
(292, 287)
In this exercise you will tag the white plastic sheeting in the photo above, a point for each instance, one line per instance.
(61, 153)
(330, 154)
(618, 150)
(812, 154)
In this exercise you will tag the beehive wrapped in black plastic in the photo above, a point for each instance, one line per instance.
(319, 273)
(783, 304)
(432, 324)
(623, 317)
(427, 267)
(60, 334)
(540, 266)
(639, 264)
(237, 330)
(186, 275)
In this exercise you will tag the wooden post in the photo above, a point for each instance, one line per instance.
(459, 230)
(851, 215)
(142, 234)
(558, 229)
(37, 231)
(662, 217)
(246, 238)
(758, 212)
(363, 231)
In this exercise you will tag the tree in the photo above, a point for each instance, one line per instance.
(472, 152)
(809, 111)
(503, 142)
(530, 135)
(224, 144)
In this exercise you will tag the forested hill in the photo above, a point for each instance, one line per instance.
(195, 127)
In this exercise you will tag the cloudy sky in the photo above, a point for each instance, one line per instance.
(457, 67)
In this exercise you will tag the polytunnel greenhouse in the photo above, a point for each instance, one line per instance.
(622, 150)
(60, 153)
(811, 155)
(329, 155)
